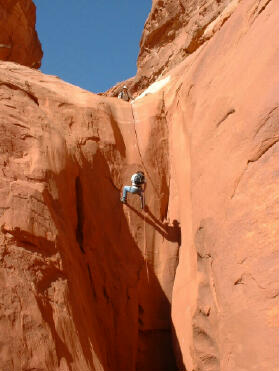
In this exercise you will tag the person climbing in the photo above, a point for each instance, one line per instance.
(137, 187)
(124, 94)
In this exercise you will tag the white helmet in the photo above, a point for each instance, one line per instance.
(125, 87)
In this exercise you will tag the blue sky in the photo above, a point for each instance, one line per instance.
(91, 43)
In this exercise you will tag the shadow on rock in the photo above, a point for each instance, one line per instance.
(171, 232)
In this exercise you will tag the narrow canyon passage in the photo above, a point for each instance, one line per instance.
(191, 282)
(136, 252)
(103, 280)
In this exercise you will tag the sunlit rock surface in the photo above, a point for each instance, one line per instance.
(188, 284)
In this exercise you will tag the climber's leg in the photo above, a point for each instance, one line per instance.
(124, 194)
(130, 189)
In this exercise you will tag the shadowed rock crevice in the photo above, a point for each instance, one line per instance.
(119, 142)
(170, 231)
(80, 215)
(61, 349)
(106, 244)
(230, 112)
(90, 284)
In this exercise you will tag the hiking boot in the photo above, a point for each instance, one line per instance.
(123, 200)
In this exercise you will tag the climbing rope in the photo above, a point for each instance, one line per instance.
(144, 248)
(145, 169)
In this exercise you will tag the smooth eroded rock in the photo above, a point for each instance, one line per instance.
(188, 284)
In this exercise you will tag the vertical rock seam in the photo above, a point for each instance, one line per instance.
(80, 216)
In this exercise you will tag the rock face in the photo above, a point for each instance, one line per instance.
(173, 31)
(18, 38)
(89, 284)
(84, 280)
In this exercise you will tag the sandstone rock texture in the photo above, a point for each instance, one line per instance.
(18, 38)
(174, 30)
(85, 283)
(89, 284)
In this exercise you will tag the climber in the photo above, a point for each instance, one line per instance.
(124, 94)
(137, 187)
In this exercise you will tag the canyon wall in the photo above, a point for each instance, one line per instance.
(174, 30)
(189, 283)
(85, 283)
(18, 38)
(226, 280)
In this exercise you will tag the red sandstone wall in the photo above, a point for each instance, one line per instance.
(173, 31)
(94, 285)
(84, 280)
(18, 38)
(225, 107)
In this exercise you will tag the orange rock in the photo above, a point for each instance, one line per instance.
(91, 280)
(18, 38)
(173, 31)
(90, 284)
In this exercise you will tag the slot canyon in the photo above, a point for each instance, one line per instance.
(190, 283)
